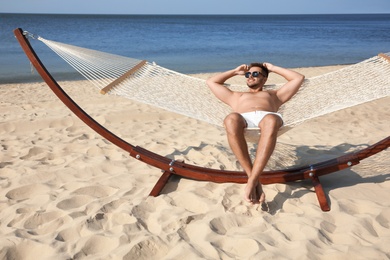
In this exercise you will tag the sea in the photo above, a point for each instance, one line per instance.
(198, 43)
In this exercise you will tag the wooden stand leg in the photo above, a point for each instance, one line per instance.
(160, 184)
(320, 194)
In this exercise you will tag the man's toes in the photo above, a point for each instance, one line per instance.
(262, 198)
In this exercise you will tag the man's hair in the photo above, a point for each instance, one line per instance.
(260, 65)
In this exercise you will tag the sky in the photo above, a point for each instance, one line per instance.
(195, 7)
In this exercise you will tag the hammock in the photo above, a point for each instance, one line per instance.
(135, 71)
(154, 85)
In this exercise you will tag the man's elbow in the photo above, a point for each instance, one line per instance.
(210, 82)
(301, 78)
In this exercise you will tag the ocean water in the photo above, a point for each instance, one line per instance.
(195, 44)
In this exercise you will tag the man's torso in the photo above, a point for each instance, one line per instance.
(252, 101)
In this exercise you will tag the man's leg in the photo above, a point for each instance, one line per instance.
(269, 127)
(235, 126)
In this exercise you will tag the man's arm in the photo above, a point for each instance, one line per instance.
(288, 90)
(216, 84)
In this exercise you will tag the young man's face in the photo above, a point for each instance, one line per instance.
(255, 78)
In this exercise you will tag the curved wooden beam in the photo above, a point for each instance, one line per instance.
(170, 167)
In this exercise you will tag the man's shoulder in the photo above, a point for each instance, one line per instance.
(271, 91)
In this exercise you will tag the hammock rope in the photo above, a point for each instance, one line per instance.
(189, 96)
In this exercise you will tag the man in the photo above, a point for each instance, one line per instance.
(254, 108)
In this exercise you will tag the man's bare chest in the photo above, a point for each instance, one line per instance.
(262, 96)
(248, 101)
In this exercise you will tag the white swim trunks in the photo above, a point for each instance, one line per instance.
(254, 118)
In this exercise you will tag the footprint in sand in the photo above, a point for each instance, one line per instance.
(7, 128)
(85, 195)
(74, 202)
(242, 248)
(96, 191)
(223, 224)
(198, 205)
(39, 219)
(35, 153)
(69, 234)
(97, 245)
(28, 249)
(384, 218)
(152, 248)
(27, 191)
(113, 205)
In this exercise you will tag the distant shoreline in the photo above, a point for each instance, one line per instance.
(203, 15)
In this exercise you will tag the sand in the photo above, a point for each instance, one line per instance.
(66, 193)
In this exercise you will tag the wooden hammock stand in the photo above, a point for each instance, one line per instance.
(171, 167)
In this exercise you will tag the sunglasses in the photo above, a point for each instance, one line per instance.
(254, 74)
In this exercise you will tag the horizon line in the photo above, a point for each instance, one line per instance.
(122, 14)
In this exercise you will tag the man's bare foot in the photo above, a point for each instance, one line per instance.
(260, 193)
(248, 192)
(254, 193)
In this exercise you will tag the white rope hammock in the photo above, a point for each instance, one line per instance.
(152, 84)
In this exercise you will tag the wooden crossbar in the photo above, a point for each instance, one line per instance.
(107, 88)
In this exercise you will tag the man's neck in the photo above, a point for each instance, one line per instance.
(255, 90)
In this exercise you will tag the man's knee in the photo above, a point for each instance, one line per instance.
(234, 122)
(270, 124)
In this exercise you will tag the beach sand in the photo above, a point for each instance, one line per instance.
(66, 193)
